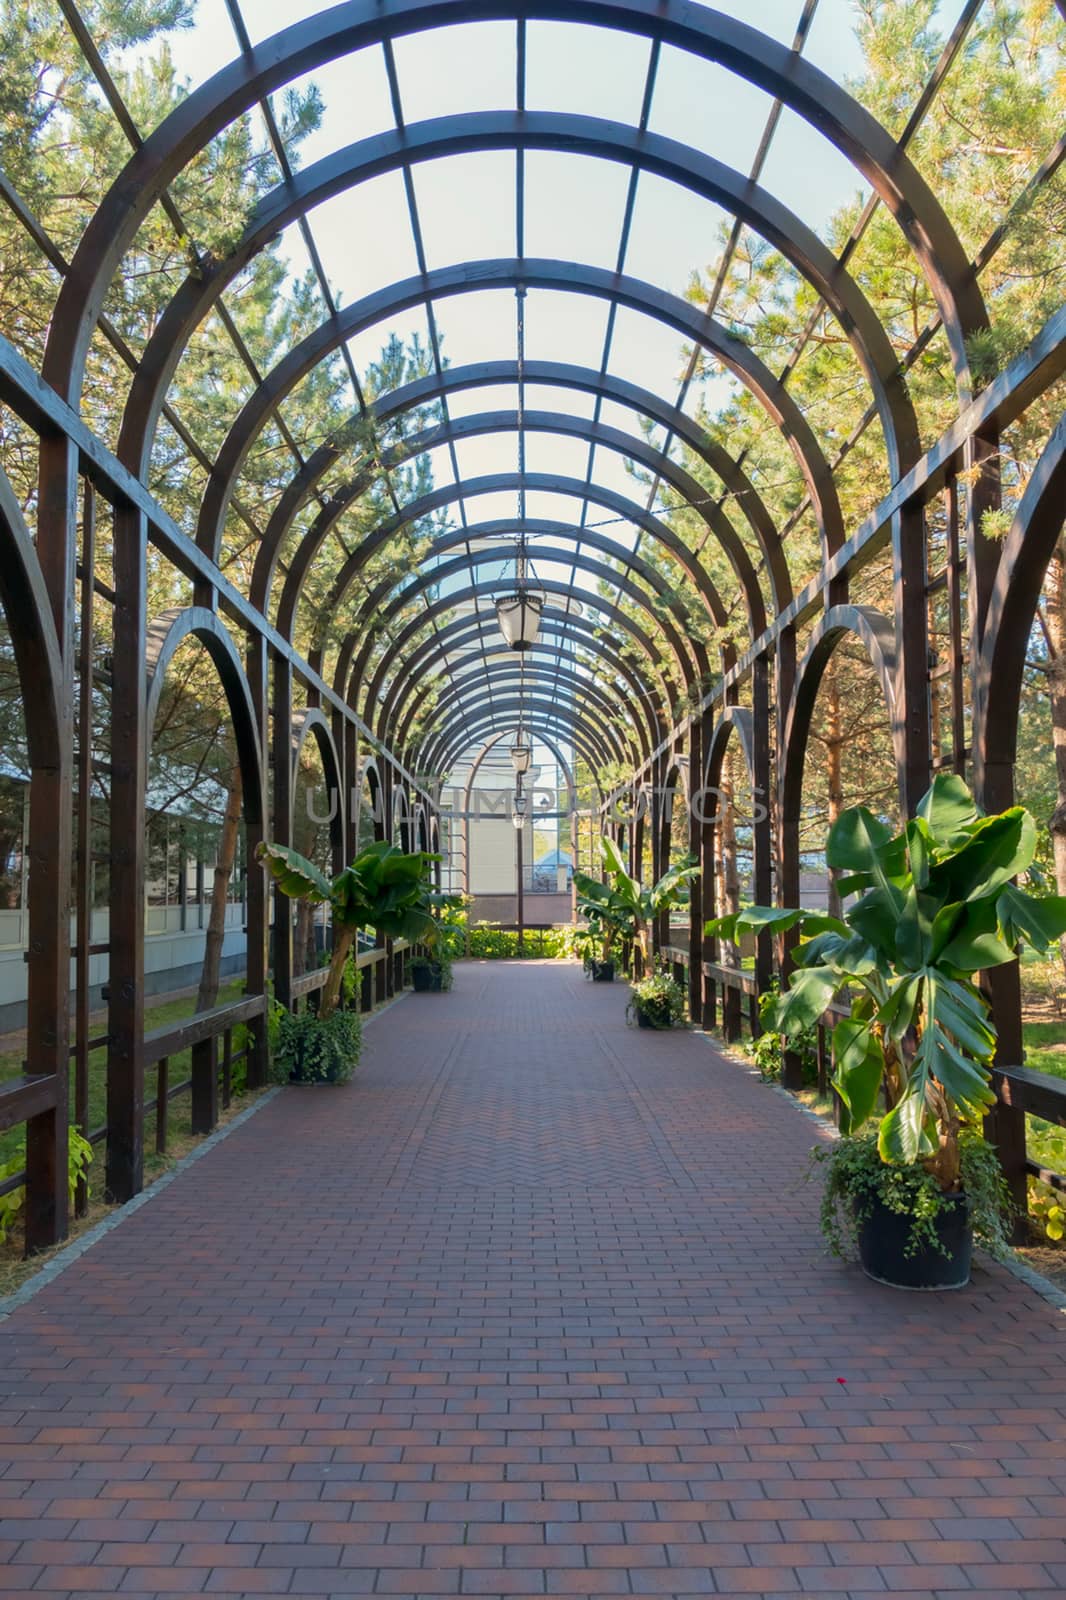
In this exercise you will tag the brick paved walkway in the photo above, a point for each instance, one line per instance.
(535, 1306)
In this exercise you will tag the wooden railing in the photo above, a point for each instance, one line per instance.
(383, 972)
(210, 1079)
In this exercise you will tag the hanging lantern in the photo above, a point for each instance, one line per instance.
(518, 615)
(521, 753)
(519, 810)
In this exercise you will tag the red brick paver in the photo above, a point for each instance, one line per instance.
(535, 1306)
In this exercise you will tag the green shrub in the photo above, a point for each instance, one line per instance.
(659, 1000)
(313, 1049)
(767, 1050)
(79, 1159)
(856, 1176)
(490, 942)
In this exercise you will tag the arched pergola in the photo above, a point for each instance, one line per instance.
(687, 602)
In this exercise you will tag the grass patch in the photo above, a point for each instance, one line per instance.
(158, 1015)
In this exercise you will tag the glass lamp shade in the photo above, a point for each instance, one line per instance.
(519, 808)
(521, 754)
(518, 615)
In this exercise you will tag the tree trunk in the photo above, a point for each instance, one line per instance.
(834, 747)
(216, 923)
(343, 939)
(301, 938)
(1055, 594)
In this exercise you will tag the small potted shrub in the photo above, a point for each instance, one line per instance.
(426, 975)
(912, 1176)
(656, 1002)
(594, 943)
(431, 975)
(384, 888)
(311, 1048)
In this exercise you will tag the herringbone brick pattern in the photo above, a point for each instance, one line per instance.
(535, 1306)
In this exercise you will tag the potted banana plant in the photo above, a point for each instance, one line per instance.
(624, 908)
(384, 888)
(912, 1179)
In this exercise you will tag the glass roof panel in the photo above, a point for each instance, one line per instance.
(467, 68)
(646, 352)
(565, 327)
(486, 453)
(479, 326)
(552, 452)
(466, 207)
(548, 397)
(492, 397)
(355, 99)
(808, 173)
(366, 347)
(673, 232)
(497, 506)
(703, 105)
(778, 18)
(609, 470)
(591, 71)
(364, 237)
(574, 207)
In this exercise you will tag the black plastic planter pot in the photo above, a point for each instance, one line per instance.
(427, 980)
(652, 1017)
(883, 1239)
(603, 972)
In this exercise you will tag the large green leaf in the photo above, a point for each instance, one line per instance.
(349, 898)
(947, 807)
(859, 1068)
(754, 919)
(995, 850)
(294, 875)
(627, 888)
(919, 850)
(900, 1009)
(855, 839)
(914, 930)
(809, 991)
(906, 1134)
(875, 918)
(955, 1045)
(1027, 919)
(772, 919)
(672, 888)
(975, 942)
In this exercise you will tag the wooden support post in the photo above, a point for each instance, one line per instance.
(162, 1105)
(83, 852)
(762, 851)
(282, 749)
(258, 929)
(205, 1085)
(50, 856)
(227, 1068)
(129, 736)
(912, 718)
(695, 905)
